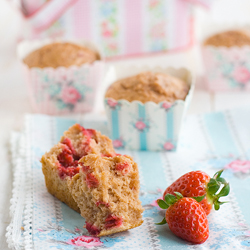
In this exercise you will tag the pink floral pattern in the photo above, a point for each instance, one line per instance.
(118, 143)
(168, 146)
(166, 105)
(70, 95)
(157, 25)
(109, 28)
(241, 74)
(227, 68)
(140, 125)
(65, 94)
(239, 166)
(85, 241)
(113, 104)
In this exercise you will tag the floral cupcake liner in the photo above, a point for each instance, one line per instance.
(149, 126)
(61, 91)
(227, 68)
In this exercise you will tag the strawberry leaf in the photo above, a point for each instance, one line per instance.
(218, 174)
(212, 182)
(224, 191)
(162, 222)
(221, 180)
(162, 204)
(213, 189)
(199, 198)
(178, 195)
(170, 199)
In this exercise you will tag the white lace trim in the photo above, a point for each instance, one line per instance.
(14, 231)
(28, 213)
(153, 233)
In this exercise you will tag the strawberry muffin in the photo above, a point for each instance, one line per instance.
(62, 161)
(106, 190)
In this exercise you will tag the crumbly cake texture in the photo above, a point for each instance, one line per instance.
(55, 176)
(229, 38)
(60, 54)
(61, 162)
(106, 190)
(149, 86)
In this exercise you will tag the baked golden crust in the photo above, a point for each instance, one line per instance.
(60, 55)
(228, 39)
(149, 86)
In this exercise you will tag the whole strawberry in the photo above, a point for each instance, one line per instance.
(185, 217)
(198, 183)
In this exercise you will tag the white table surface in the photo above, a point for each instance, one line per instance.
(14, 101)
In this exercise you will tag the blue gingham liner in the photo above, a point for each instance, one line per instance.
(209, 142)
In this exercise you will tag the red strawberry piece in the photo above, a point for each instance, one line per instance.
(112, 221)
(98, 203)
(185, 217)
(91, 181)
(123, 167)
(69, 171)
(86, 132)
(198, 183)
(93, 230)
(68, 142)
(66, 157)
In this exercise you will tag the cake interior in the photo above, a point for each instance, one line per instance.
(61, 162)
(79, 142)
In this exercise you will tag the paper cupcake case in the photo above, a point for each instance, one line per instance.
(61, 91)
(227, 68)
(149, 126)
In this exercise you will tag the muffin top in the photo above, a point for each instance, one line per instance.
(229, 39)
(149, 86)
(60, 54)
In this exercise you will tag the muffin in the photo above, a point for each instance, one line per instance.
(60, 54)
(145, 108)
(106, 190)
(226, 60)
(62, 77)
(229, 38)
(84, 172)
(62, 161)
(149, 87)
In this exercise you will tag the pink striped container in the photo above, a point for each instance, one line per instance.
(124, 28)
(62, 91)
